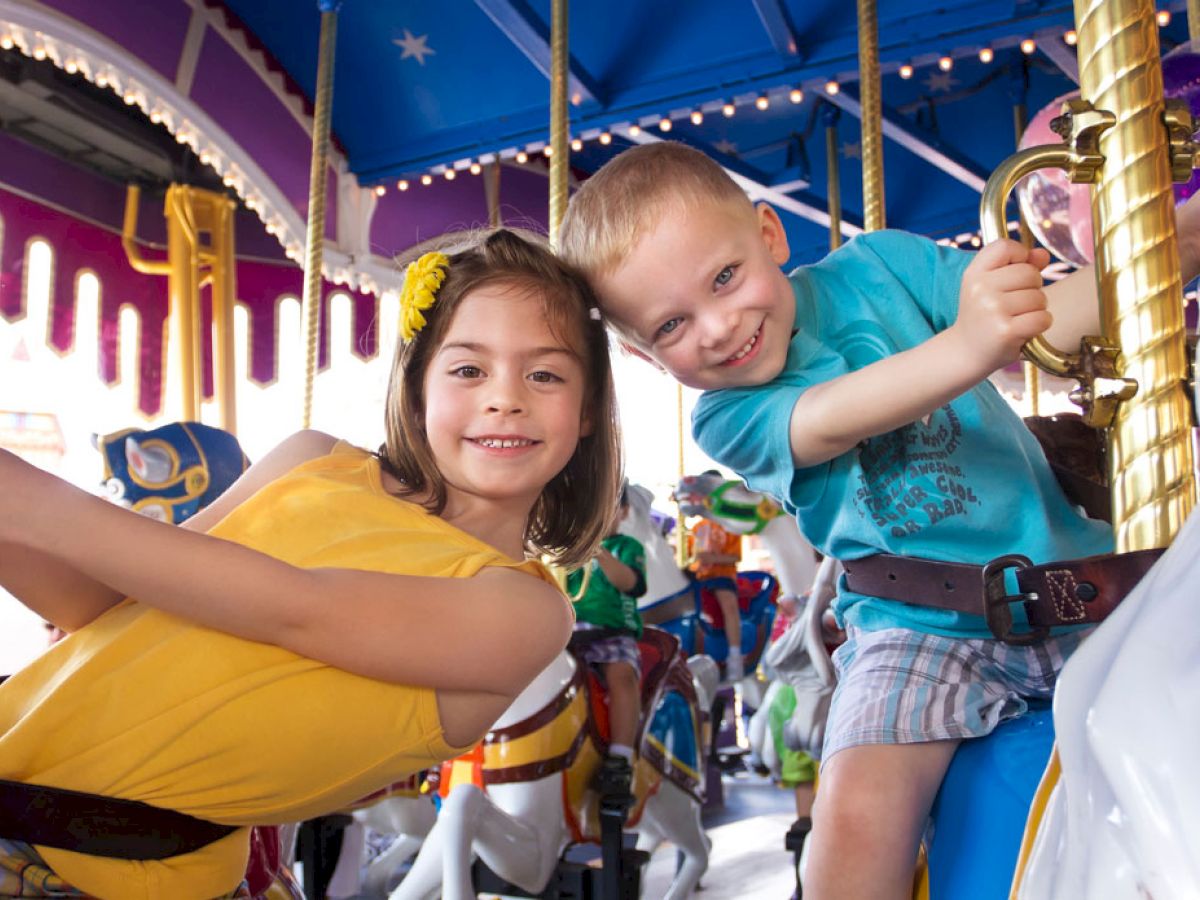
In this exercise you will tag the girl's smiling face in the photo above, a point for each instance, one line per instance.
(503, 400)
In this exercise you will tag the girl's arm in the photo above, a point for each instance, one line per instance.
(449, 633)
(60, 594)
(70, 599)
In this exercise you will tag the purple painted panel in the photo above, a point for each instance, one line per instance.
(240, 103)
(78, 245)
(405, 218)
(153, 32)
(28, 170)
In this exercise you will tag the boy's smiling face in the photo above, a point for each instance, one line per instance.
(701, 294)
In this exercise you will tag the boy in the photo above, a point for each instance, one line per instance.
(856, 391)
(607, 627)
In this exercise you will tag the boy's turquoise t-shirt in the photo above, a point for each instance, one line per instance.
(967, 484)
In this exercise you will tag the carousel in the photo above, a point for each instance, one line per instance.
(201, 205)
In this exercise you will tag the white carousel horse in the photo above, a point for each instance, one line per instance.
(663, 578)
(740, 510)
(537, 764)
(1124, 819)
(799, 661)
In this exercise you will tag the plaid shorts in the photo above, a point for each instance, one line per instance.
(618, 648)
(23, 873)
(898, 686)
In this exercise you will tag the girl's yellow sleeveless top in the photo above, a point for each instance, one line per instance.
(144, 705)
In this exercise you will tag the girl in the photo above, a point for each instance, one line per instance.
(347, 618)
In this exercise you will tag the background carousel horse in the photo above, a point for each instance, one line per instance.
(740, 510)
(532, 797)
(172, 472)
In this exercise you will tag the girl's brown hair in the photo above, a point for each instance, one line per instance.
(574, 509)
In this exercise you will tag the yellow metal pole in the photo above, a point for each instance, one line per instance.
(1137, 272)
(315, 239)
(872, 133)
(1033, 386)
(491, 190)
(183, 289)
(224, 287)
(833, 175)
(681, 549)
(1193, 14)
(559, 120)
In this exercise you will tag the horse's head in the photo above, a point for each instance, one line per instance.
(171, 472)
(730, 504)
(693, 493)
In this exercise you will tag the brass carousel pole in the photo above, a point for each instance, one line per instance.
(1018, 87)
(1193, 14)
(559, 122)
(681, 547)
(872, 129)
(830, 115)
(1138, 272)
(314, 249)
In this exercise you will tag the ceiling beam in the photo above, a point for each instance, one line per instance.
(529, 34)
(754, 183)
(779, 29)
(922, 143)
(1057, 51)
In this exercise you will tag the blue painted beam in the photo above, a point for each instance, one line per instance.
(1053, 47)
(531, 36)
(917, 140)
(779, 29)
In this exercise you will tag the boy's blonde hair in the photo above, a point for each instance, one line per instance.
(571, 516)
(630, 193)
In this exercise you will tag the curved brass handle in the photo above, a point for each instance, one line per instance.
(994, 226)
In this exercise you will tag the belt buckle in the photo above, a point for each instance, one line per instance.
(996, 602)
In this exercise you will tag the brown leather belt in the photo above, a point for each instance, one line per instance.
(1070, 592)
(100, 826)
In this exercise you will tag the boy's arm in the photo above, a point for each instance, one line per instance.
(1001, 306)
(1074, 302)
(622, 577)
(453, 629)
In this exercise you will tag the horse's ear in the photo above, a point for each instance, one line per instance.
(151, 464)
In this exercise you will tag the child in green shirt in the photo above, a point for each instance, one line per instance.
(605, 593)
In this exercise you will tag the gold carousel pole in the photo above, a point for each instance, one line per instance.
(681, 548)
(1193, 14)
(1137, 272)
(314, 250)
(872, 129)
(833, 175)
(1033, 387)
(558, 116)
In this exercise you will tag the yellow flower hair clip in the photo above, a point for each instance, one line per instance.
(422, 279)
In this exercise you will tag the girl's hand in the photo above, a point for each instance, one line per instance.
(1002, 303)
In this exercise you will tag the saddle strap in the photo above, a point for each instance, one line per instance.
(1069, 592)
(100, 826)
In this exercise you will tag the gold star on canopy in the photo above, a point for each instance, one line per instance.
(940, 82)
(852, 151)
(414, 47)
(726, 146)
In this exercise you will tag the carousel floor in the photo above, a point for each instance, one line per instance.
(748, 859)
